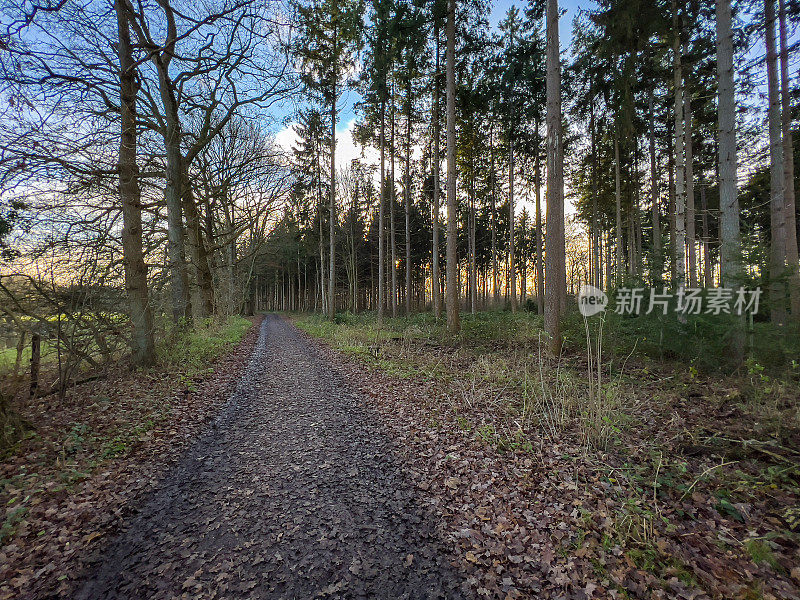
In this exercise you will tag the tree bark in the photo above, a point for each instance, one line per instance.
(495, 285)
(680, 189)
(453, 318)
(392, 227)
(473, 269)
(435, 275)
(555, 287)
(381, 221)
(594, 241)
(657, 257)
(511, 258)
(788, 170)
(777, 214)
(708, 269)
(619, 256)
(332, 224)
(691, 236)
(142, 344)
(539, 249)
(407, 198)
(203, 303)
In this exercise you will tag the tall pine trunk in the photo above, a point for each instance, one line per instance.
(691, 235)
(492, 182)
(473, 270)
(680, 188)
(332, 224)
(595, 250)
(435, 275)
(142, 345)
(407, 199)
(730, 241)
(777, 264)
(555, 287)
(512, 266)
(539, 249)
(453, 318)
(381, 220)
(392, 228)
(619, 256)
(657, 257)
(788, 170)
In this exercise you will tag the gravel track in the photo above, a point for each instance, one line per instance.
(294, 492)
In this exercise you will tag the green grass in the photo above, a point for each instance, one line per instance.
(192, 349)
(483, 327)
(8, 356)
(760, 552)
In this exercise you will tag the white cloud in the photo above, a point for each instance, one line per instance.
(346, 147)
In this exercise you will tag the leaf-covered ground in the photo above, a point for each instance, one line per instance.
(684, 486)
(294, 492)
(477, 461)
(88, 460)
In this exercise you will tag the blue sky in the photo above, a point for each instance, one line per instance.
(571, 6)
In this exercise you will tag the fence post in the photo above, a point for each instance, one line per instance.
(36, 356)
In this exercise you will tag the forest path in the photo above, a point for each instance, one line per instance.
(292, 493)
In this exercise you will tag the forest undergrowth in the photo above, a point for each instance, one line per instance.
(73, 467)
(669, 476)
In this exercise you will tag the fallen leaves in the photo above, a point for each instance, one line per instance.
(71, 502)
(551, 522)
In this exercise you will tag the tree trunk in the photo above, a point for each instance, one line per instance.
(595, 259)
(777, 215)
(511, 259)
(332, 224)
(381, 221)
(539, 252)
(555, 288)
(495, 285)
(708, 269)
(453, 318)
(435, 275)
(680, 190)
(657, 257)
(691, 235)
(203, 303)
(407, 194)
(788, 171)
(142, 345)
(176, 251)
(473, 268)
(392, 228)
(619, 256)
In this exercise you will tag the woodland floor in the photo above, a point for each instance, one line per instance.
(381, 465)
(675, 484)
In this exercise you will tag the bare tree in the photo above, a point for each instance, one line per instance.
(143, 346)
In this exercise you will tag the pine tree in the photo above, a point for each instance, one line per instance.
(330, 35)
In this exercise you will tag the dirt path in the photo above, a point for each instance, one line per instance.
(293, 493)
